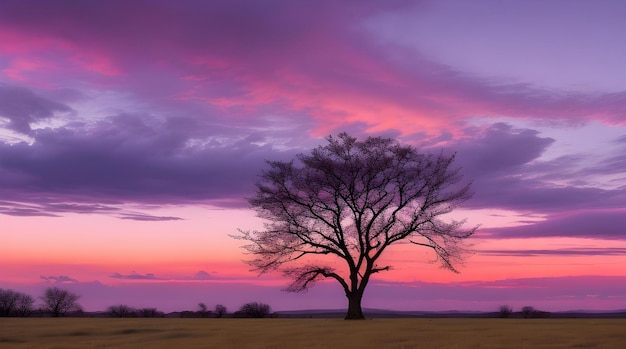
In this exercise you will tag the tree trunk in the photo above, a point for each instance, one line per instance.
(354, 306)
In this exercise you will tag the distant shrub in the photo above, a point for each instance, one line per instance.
(527, 311)
(149, 312)
(530, 312)
(24, 306)
(254, 310)
(122, 310)
(220, 311)
(505, 311)
(203, 310)
(538, 314)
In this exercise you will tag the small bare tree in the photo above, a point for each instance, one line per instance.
(528, 311)
(24, 306)
(254, 310)
(220, 311)
(505, 311)
(203, 310)
(8, 301)
(14, 303)
(58, 302)
(351, 200)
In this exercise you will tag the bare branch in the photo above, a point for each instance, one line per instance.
(304, 277)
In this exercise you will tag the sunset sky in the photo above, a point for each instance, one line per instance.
(131, 133)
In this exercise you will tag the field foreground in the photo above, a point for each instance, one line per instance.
(33, 333)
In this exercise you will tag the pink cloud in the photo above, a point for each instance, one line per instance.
(306, 59)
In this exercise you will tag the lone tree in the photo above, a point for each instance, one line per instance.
(59, 302)
(351, 200)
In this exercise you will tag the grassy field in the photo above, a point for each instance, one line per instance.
(94, 333)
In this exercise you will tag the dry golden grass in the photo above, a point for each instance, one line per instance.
(34, 333)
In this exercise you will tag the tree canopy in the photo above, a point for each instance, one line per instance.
(351, 200)
(59, 301)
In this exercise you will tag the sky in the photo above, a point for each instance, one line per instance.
(132, 132)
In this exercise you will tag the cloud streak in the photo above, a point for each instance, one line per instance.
(199, 276)
(58, 279)
(608, 251)
(594, 224)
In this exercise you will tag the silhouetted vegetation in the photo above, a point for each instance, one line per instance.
(530, 312)
(122, 310)
(220, 311)
(505, 311)
(351, 200)
(149, 312)
(254, 310)
(14, 303)
(527, 311)
(58, 302)
(203, 310)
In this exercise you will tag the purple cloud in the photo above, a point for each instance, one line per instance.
(499, 149)
(243, 59)
(22, 107)
(147, 217)
(135, 276)
(22, 210)
(58, 279)
(504, 165)
(127, 158)
(595, 224)
(606, 251)
(200, 275)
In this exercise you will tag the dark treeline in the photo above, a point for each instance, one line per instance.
(57, 302)
(526, 312)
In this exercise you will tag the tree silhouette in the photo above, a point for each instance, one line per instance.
(351, 200)
(220, 311)
(149, 312)
(24, 305)
(204, 310)
(59, 302)
(122, 310)
(8, 301)
(528, 311)
(254, 310)
(505, 311)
